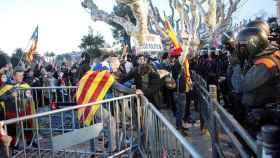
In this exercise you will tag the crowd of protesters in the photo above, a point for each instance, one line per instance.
(162, 79)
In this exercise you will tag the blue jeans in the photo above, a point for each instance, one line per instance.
(180, 102)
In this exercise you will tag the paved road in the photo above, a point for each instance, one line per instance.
(201, 142)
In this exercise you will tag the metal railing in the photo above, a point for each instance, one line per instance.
(123, 125)
(227, 135)
(45, 96)
(59, 133)
(161, 139)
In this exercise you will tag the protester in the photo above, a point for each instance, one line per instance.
(246, 75)
(146, 78)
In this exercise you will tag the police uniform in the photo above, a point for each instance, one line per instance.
(260, 85)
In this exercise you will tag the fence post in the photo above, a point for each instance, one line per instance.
(214, 134)
(259, 145)
(271, 137)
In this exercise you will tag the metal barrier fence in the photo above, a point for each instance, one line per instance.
(59, 133)
(46, 96)
(161, 139)
(123, 126)
(227, 135)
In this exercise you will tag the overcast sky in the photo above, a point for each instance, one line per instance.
(62, 23)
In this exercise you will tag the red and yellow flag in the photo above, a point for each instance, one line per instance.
(92, 87)
(172, 36)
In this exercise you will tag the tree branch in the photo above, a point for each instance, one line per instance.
(232, 8)
(100, 15)
(199, 4)
(150, 25)
(156, 20)
(172, 13)
(226, 21)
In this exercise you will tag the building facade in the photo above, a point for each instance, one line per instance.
(278, 10)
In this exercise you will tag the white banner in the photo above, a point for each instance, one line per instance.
(152, 43)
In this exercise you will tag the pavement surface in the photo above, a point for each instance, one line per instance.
(201, 141)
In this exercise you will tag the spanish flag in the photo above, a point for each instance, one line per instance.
(172, 36)
(32, 49)
(92, 87)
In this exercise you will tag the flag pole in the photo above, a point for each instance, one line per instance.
(35, 31)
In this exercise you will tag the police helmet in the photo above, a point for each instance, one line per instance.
(272, 22)
(260, 24)
(251, 41)
(228, 38)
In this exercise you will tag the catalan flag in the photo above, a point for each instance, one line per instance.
(92, 87)
(172, 36)
(32, 49)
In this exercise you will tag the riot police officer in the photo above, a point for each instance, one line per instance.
(259, 85)
(230, 84)
(260, 24)
(274, 31)
(228, 41)
(263, 25)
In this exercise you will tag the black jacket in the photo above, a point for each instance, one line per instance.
(153, 87)
(261, 84)
(179, 76)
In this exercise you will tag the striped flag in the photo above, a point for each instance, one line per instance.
(183, 60)
(183, 56)
(32, 49)
(172, 36)
(92, 87)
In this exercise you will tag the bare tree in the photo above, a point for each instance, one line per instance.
(198, 20)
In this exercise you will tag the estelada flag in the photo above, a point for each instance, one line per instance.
(32, 49)
(92, 87)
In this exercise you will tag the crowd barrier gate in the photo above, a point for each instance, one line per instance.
(125, 126)
(227, 135)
